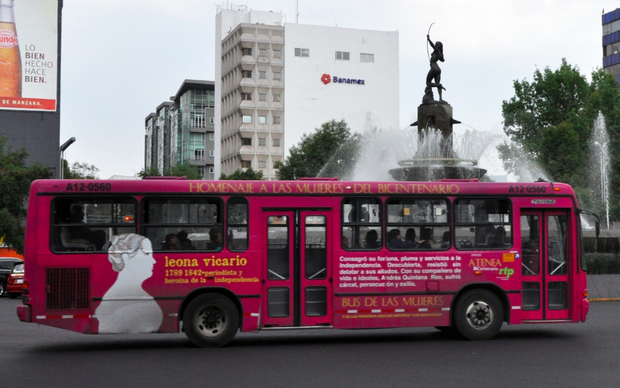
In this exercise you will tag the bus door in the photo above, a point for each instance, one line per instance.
(545, 264)
(297, 285)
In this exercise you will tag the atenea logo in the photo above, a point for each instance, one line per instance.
(326, 78)
(8, 39)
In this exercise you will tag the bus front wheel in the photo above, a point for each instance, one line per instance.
(479, 315)
(211, 320)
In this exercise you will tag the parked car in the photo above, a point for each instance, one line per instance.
(16, 281)
(6, 266)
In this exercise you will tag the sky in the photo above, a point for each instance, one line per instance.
(121, 59)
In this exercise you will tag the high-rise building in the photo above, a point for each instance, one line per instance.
(182, 130)
(280, 81)
(611, 43)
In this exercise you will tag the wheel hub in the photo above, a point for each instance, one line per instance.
(479, 315)
(211, 322)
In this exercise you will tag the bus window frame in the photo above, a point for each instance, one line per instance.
(144, 226)
(116, 199)
(227, 225)
(419, 225)
(474, 224)
(378, 201)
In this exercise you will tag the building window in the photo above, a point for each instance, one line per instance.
(302, 52)
(247, 119)
(262, 164)
(211, 120)
(211, 170)
(246, 164)
(246, 73)
(342, 55)
(201, 171)
(199, 154)
(276, 98)
(246, 96)
(246, 51)
(211, 153)
(276, 142)
(246, 141)
(211, 136)
(367, 57)
(276, 119)
(262, 96)
(262, 119)
(277, 54)
(262, 141)
(262, 52)
(277, 75)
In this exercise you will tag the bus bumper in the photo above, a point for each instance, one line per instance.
(585, 306)
(24, 313)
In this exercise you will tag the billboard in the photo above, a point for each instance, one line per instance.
(28, 55)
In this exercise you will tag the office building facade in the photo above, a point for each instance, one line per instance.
(182, 130)
(611, 43)
(280, 81)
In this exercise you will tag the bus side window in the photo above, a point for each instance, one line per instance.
(85, 224)
(237, 224)
(184, 224)
(417, 224)
(361, 224)
(482, 224)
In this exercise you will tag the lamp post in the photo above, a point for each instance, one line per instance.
(63, 147)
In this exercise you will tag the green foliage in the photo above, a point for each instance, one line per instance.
(550, 122)
(240, 175)
(15, 180)
(602, 264)
(79, 170)
(151, 171)
(183, 169)
(314, 151)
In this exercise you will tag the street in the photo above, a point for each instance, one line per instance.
(567, 355)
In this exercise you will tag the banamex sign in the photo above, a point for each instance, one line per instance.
(326, 78)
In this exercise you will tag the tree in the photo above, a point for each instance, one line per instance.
(185, 169)
(314, 151)
(79, 170)
(151, 171)
(550, 122)
(15, 181)
(240, 175)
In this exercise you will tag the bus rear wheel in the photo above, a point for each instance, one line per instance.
(211, 320)
(479, 315)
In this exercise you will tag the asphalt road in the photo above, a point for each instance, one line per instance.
(565, 355)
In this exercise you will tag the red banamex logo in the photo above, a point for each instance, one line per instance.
(326, 78)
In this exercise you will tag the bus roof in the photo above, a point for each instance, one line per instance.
(300, 187)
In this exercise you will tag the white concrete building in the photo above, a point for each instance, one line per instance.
(282, 80)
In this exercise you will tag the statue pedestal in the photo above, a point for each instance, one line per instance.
(438, 115)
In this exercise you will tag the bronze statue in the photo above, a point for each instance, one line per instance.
(433, 78)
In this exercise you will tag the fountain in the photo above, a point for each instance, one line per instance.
(599, 163)
(435, 158)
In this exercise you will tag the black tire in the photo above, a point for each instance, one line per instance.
(479, 315)
(2, 288)
(450, 330)
(211, 320)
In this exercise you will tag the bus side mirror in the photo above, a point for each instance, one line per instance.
(597, 227)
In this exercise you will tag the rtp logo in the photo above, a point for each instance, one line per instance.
(507, 271)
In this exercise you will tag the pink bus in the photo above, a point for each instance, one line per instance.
(209, 258)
